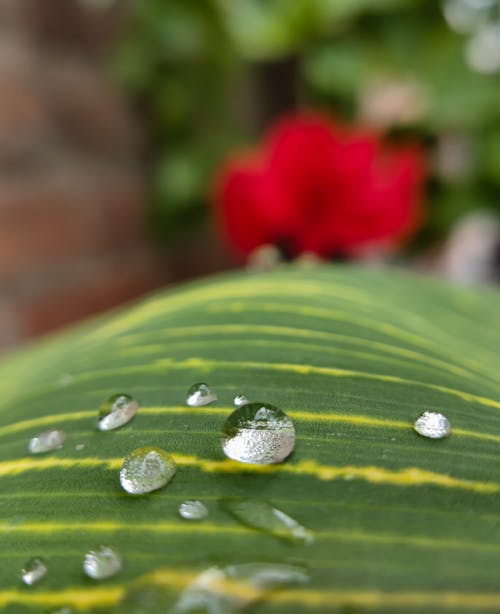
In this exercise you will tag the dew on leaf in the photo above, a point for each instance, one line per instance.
(146, 469)
(33, 571)
(230, 589)
(102, 563)
(432, 425)
(258, 433)
(117, 411)
(240, 400)
(261, 515)
(46, 442)
(200, 394)
(193, 510)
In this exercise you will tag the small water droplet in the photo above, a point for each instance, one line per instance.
(146, 469)
(193, 510)
(231, 589)
(102, 563)
(47, 442)
(240, 400)
(79, 447)
(262, 515)
(200, 394)
(258, 433)
(433, 425)
(33, 571)
(117, 411)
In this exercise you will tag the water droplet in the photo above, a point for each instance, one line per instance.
(116, 411)
(193, 510)
(33, 571)
(258, 433)
(265, 517)
(46, 442)
(200, 394)
(146, 469)
(432, 425)
(231, 589)
(102, 563)
(240, 400)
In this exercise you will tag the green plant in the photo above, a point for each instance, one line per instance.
(401, 523)
(211, 74)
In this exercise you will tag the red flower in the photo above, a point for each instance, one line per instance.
(318, 187)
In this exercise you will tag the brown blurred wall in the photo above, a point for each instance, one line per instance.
(73, 214)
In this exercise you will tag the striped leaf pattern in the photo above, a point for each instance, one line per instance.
(401, 523)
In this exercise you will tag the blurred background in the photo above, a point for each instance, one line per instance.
(118, 118)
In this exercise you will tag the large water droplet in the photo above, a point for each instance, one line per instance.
(47, 442)
(432, 425)
(200, 394)
(102, 563)
(258, 433)
(240, 400)
(231, 589)
(117, 411)
(33, 571)
(262, 515)
(193, 510)
(146, 469)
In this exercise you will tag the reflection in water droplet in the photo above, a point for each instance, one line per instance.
(193, 510)
(258, 433)
(432, 425)
(79, 447)
(265, 517)
(102, 563)
(146, 469)
(200, 394)
(231, 589)
(33, 571)
(46, 442)
(116, 411)
(240, 400)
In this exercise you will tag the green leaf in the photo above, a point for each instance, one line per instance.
(401, 523)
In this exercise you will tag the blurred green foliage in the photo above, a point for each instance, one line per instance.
(197, 67)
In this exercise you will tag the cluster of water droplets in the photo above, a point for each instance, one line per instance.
(254, 433)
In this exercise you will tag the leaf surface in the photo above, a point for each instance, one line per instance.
(401, 523)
